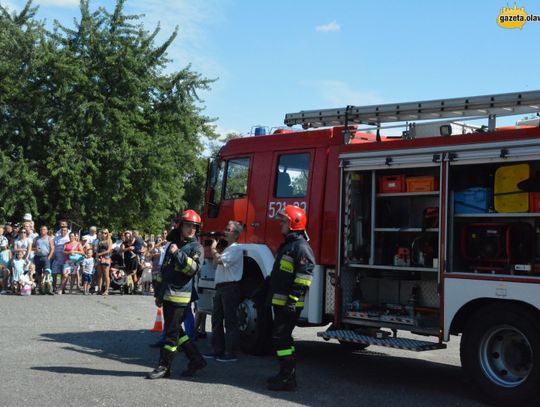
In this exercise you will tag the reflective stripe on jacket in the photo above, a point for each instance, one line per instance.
(175, 279)
(292, 271)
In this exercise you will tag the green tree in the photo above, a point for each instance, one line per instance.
(20, 61)
(114, 139)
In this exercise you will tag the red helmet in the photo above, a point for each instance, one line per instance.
(189, 216)
(296, 216)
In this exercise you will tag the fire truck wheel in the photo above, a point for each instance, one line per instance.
(500, 353)
(255, 322)
(254, 318)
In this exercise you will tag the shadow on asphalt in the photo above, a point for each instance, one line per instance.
(327, 374)
(86, 371)
(125, 346)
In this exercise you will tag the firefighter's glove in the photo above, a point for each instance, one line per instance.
(290, 306)
(159, 302)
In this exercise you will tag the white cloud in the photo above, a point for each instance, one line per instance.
(330, 27)
(59, 3)
(338, 93)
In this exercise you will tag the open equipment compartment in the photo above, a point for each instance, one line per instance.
(391, 226)
(487, 237)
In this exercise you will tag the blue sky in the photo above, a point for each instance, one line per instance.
(276, 57)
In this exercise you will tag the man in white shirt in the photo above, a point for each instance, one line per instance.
(91, 239)
(230, 267)
(60, 239)
(60, 227)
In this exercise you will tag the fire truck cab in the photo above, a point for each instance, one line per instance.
(428, 235)
(250, 181)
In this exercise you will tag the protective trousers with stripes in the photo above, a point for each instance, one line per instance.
(284, 323)
(174, 334)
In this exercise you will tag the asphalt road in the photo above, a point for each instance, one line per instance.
(76, 350)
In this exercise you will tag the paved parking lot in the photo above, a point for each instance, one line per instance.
(76, 350)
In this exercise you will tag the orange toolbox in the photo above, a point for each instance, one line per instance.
(421, 184)
(391, 183)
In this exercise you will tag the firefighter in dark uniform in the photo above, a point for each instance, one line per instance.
(289, 281)
(174, 290)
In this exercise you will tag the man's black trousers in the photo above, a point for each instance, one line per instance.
(226, 301)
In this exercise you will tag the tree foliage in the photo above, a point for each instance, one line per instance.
(92, 127)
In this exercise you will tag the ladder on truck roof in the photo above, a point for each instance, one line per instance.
(504, 104)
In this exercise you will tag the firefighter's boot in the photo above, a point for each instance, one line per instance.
(196, 361)
(164, 367)
(276, 378)
(286, 378)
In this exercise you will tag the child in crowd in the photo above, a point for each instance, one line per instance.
(46, 282)
(156, 253)
(75, 262)
(26, 282)
(5, 267)
(31, 275)
(116, 273)
(88, 270)
(146, 276)
(18, 270)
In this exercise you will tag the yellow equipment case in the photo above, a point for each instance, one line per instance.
(508, 197)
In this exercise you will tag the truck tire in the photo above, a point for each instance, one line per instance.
(254, 317)
(500, 353)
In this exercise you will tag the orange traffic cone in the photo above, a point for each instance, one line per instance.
(158, 325)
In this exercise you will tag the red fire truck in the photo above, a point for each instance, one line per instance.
(432, 233)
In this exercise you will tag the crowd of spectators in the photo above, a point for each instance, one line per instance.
(49, 262)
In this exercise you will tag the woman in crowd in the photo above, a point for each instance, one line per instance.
(22, 243)
(74, 254)
(130, 258)
(104, 251)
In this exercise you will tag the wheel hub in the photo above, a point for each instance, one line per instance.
(247, 316)
(506, 356)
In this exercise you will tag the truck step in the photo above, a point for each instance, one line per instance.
(398, 343)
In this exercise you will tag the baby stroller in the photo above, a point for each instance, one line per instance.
(119, 280)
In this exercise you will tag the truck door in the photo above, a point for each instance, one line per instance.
(227, 199)
(261, 175)
(290, 186)
(234, 202)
